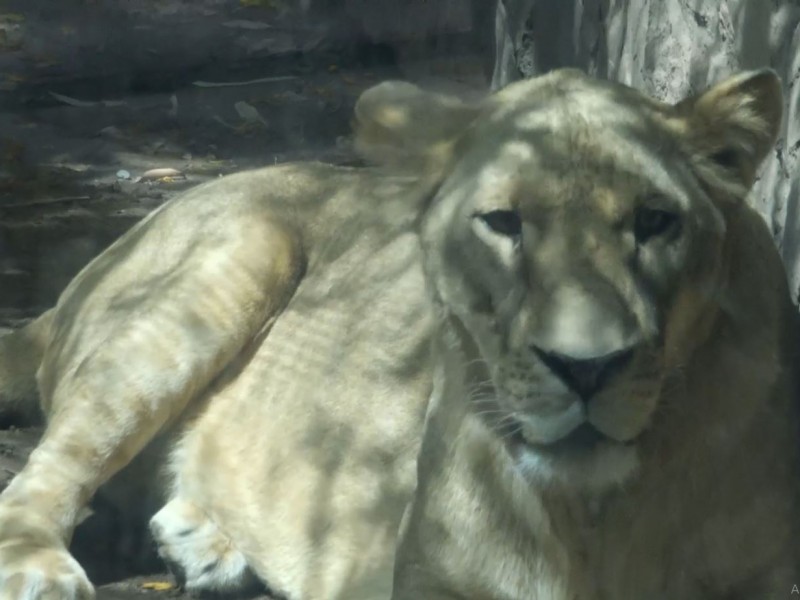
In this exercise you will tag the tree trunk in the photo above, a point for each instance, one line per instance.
(671, 49)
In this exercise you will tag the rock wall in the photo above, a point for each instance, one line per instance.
(670, 49)
(106, 48)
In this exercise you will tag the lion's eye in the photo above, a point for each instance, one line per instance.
(504, 222)
(650, 222)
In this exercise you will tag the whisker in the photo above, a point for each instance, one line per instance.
(502, 424)
(482, 386)
(483, 399)
(476, 361)
(490, 413)
(512, 432)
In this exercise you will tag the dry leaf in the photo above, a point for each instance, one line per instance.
(163, 173)
(248, 112)
(158, 586)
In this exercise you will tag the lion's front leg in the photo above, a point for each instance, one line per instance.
(122, 365)
(200, 556)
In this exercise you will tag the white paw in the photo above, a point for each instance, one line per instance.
(200, 556)
(35, 565)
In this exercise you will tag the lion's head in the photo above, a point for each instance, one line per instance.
(577, 235)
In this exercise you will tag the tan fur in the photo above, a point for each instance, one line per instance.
(20, 355)
(275, 325)
(692, 490)
(275, 322)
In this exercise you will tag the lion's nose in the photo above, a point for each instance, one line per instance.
(585, 376)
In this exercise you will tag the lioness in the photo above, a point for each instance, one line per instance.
(611, 416)
(615, 414)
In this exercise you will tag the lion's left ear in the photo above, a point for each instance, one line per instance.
(401, 125)
(733, 125)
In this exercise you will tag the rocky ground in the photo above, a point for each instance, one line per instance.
(106, 113)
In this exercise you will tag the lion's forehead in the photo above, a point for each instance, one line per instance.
(576, 148)
(534, 172)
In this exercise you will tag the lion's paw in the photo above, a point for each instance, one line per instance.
(199, 555)
(34, 566)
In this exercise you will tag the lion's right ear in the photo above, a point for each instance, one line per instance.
(401, 125)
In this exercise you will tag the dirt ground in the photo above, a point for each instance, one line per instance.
(90, 144)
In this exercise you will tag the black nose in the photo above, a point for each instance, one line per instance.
(584, 376)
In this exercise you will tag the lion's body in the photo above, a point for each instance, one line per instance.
(276, 326)
(301, 438)
(316, 433)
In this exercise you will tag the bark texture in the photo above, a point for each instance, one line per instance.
(670, 49)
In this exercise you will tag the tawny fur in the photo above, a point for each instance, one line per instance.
(693, 492)
(275, 325)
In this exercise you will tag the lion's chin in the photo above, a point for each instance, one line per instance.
(584, 459)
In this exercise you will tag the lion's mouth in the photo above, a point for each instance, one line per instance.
(583, 439)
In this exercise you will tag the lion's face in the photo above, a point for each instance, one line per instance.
(578, 238)
(566, 240)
